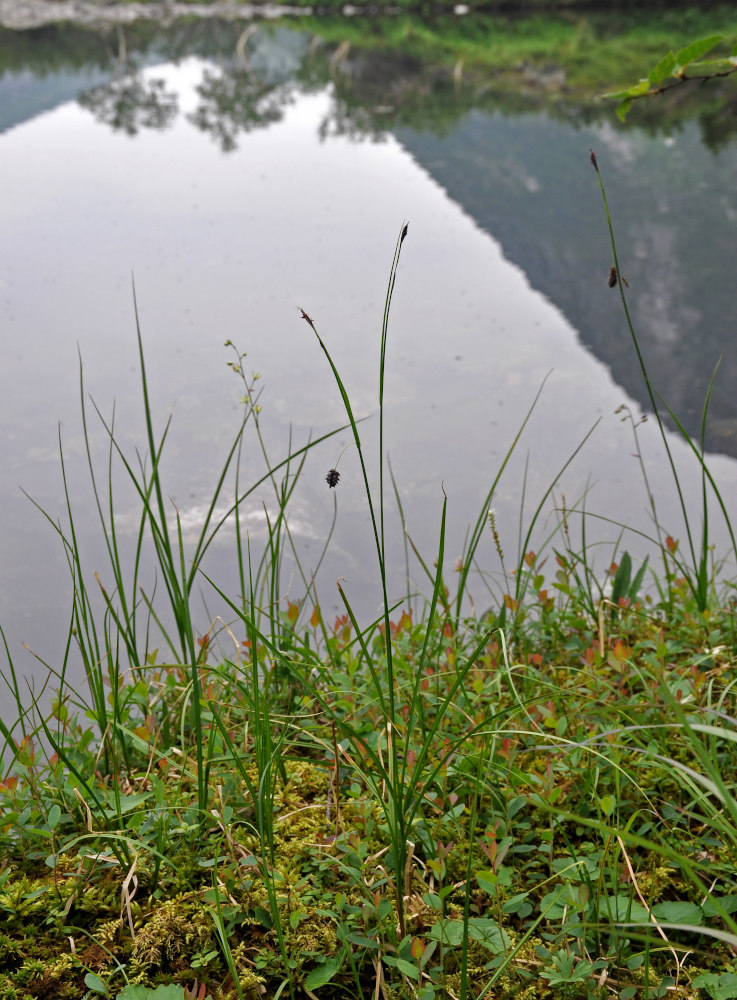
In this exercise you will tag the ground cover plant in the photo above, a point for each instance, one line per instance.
(534, 801)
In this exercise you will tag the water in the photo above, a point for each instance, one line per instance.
(229, 221)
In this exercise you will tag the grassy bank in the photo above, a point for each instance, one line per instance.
(594, 46)
(533, 801)
(362, 7)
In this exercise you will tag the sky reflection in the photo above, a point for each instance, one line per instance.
(230, 246)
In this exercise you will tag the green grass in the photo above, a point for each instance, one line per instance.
(597, 48)
(537, 801)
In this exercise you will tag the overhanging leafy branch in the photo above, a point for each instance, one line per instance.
(675, 69)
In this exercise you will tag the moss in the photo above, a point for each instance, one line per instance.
(59, 980)
(251, 983)
(315, 935)
(10, 951)
(176, 928)
(31, 969)
(108, 935)
(23, 897)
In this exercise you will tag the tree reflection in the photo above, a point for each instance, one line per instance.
(486, 130)
(236, 101)
(374, 92)
(376, 83)
(718, 121)
(128, 104)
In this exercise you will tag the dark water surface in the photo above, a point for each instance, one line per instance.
(259, 171)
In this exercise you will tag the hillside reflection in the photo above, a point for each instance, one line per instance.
(510, 145)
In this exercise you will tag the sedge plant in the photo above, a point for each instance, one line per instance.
(422, 804)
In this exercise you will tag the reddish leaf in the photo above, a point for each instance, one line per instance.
(621, 650)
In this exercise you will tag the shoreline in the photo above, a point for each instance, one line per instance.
(40, 13)
(25, 15)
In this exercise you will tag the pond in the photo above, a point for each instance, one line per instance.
(234, 173)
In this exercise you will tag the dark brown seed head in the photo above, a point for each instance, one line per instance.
(612, 277)
(594, 164)
(332, 478)
(404, 233)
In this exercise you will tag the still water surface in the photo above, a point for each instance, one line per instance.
(227, 232)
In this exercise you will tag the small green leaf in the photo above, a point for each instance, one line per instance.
(664, 69)
(677, 912)
(433, 901)
(94, 983)
(696, 49)
(554, 904)
(639, 88)
(514, 805)
(362, 941)
(455, 812)
(264, 917)
(125, 803)
(637, 582)
(607, 804)
(727, 903)
(710, 67)
(488, 881)
(406, 968)
(54, 816)
(322, 974)
(518, 904)
(621, 907)
(146, 993)
(719, 987)
(488, 932)
(623, 108)
(35, 893)
(621, 582)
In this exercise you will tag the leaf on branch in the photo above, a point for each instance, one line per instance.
(623, 108)
(673, 67)
(664, 69)
(714, 67)
(695, 50)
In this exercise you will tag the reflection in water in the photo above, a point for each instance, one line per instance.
(234, 103)
(515, 157)
(674, 214)
(131, 103)
(298, 214)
